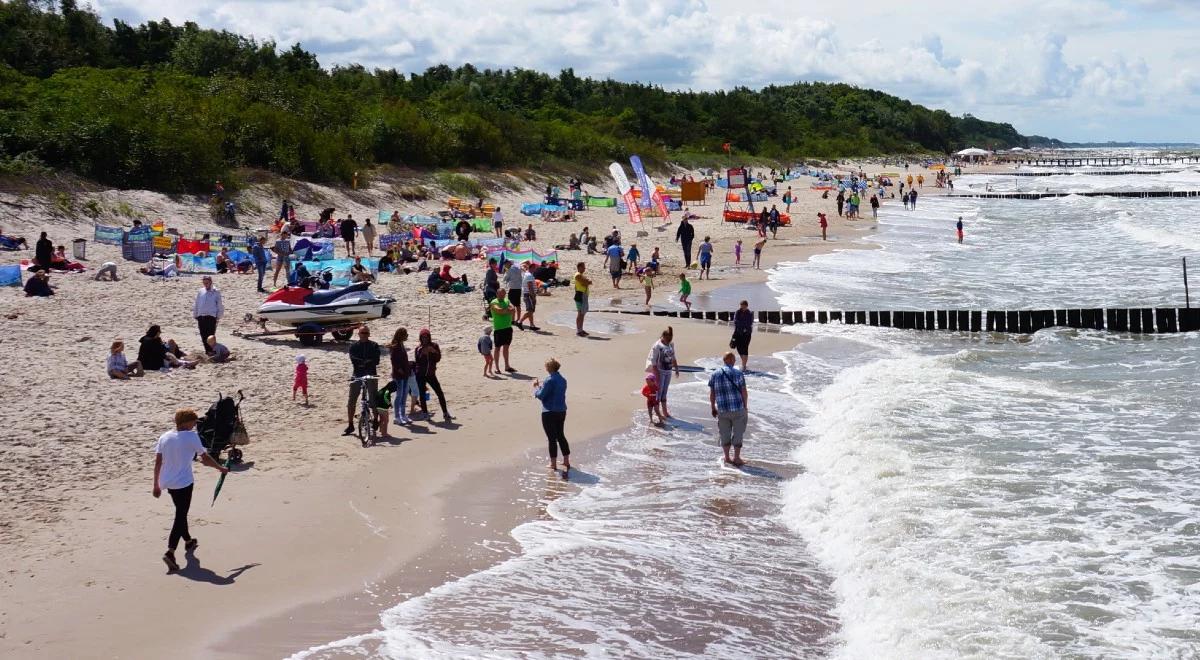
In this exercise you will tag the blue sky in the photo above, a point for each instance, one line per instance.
(1072, 69)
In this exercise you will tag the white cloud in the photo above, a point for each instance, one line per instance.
(1036, 63)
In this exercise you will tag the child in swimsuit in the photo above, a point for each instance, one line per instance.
(737, 253)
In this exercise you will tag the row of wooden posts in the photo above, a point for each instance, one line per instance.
(1143, 194)
(1101, 160)
(1135, 320)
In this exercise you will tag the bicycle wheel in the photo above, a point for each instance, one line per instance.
(364, 426)
(372, 430)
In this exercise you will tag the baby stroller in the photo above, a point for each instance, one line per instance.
(221, 428)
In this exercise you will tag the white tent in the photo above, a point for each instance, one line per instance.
(973, 153)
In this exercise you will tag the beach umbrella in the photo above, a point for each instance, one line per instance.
(221, 482)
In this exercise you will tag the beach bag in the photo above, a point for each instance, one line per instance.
(239, 435)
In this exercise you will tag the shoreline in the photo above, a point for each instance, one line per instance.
(314, 514)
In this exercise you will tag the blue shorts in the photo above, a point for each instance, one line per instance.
(705, 259)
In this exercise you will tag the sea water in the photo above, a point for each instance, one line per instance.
(911, 495)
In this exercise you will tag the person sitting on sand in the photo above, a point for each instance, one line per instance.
(572, 244)
(217, 351)
(359, 272)
(435, 284)
(59, 260)
(38, 285)
(223, 261)
(530, 234)
(387, 263)
(461, 251)
(117, 366)
(154, 354)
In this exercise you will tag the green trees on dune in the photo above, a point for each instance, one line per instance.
(175, 107)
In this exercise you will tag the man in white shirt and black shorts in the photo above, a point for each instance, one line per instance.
(173, 458)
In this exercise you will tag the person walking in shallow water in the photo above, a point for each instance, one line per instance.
(959, 229)
(553, 395)
(730, 404)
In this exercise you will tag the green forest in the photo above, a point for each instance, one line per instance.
(175, 107)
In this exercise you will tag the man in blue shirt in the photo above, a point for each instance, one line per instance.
(261, 260)
(613, 256)
(553, 395)
(730, 401)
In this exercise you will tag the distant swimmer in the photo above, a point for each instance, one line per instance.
(959, 228)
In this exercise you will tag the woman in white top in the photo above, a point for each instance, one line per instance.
(661, 362)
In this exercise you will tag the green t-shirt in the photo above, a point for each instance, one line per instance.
(502, 321)
(685, 287)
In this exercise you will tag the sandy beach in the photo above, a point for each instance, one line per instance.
(313, 535)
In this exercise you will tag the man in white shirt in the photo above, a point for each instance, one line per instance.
(528, 297)
(173, 471)
(207, 310)
(514, 280)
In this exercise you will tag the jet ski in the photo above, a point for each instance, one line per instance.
(297, 306)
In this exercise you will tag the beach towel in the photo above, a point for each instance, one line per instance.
(191, 246)
(10, 275)
(190, 263)
(522, 256)
(109, 235)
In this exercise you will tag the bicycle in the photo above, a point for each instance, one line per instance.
(366, 430)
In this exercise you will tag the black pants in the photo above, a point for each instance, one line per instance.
(208, 328)
(182, 497)
(553, 423)
(431, 381)
(687, 253)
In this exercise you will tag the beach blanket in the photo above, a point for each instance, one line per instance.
(109, 235)
(481, 224)
(190, 263)
(10, 275)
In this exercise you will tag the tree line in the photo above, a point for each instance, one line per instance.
(175, 107)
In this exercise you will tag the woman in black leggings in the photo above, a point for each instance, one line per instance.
(426, 357)
(553, 395)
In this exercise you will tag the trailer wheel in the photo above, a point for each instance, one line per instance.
(342, 335)
(310, 334)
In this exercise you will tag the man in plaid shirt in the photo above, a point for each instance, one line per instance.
(730, 401)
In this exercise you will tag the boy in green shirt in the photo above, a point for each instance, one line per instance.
(502, 322)
(685, 290)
